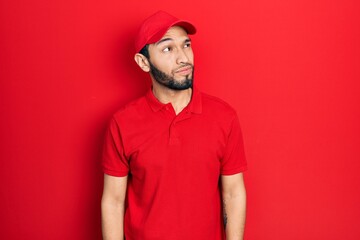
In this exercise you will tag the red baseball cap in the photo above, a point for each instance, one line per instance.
(155, 26)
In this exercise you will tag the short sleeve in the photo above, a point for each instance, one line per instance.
(114, 161)
(234, 160)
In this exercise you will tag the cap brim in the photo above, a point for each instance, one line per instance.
(188, 27)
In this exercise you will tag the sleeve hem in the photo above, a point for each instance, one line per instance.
(234, 171)
(115, 173)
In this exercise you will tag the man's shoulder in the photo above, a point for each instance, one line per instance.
(216, 105)
(133, 109)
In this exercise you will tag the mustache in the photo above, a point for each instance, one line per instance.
(184, 65)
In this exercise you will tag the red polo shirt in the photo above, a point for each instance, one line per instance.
(173, 163)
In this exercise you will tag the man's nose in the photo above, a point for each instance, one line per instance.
(182, 57)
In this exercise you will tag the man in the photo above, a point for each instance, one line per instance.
(173, 159)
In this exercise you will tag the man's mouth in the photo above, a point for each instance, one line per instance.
(184, 70)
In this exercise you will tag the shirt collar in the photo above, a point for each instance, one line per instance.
(194, 105)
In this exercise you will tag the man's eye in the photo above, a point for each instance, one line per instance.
(167, 49)
(187, 45)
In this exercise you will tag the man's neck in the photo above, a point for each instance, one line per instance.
(179, 99)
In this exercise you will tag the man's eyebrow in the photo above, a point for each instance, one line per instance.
(170, 39)
(163, 40)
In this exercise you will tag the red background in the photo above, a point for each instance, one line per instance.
(290, 68)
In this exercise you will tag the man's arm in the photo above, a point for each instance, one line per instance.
(234, 205)
(113, 207)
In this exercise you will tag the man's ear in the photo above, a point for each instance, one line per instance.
(142, 61)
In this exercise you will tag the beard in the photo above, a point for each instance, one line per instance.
(169, 81)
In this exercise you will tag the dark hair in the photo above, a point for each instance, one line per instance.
(145, 51)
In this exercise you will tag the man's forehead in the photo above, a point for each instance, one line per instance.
(175, 33)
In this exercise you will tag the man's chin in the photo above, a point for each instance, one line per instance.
(183, 80)
(184, 86)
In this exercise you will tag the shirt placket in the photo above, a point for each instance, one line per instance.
(174, 133)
